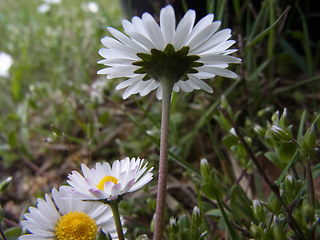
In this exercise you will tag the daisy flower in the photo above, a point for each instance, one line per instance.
(65, 217)
(148, 53)
(105, 182)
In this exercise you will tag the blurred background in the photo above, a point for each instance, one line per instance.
(55, 112)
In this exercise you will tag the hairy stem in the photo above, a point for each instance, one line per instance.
(167, 87)
(311, 195)
(116, 216)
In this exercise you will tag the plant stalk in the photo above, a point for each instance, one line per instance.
(311, 194)
(114, 205)
(167, 87)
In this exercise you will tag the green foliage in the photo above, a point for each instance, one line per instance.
(187, 228)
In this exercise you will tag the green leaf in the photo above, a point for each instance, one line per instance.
(13, 233)
(240, 204)
(12, 139)
(286, 152)
(208, 190)
(214, 213)
(265, 32)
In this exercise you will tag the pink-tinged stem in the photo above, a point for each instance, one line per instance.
(167, 87)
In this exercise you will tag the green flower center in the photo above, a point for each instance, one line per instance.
(76, 226)
(167, 64)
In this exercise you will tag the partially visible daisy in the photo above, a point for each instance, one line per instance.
(149, 53)
(65, 217)
(5, 64)
(105, 182)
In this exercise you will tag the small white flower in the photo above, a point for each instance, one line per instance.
(90, 7)
(105, 182)
(185, 54)
(66, 217)
(5, 64)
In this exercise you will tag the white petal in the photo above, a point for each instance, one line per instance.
(203, 35)
(219, 71)
(152, 84)
(118, 53)
(153, 30)
(142, 39)
(138, 26)
(213, 41)
(107, 70)
(184, 86)
(115, 191)
(116, 61)
(133, 89)
(143, 181)
(122, 71)
(200, 83)
(128, 186)
(125, 40)
(130, 81)
(191, 84)
(221, 48)
(183, 29)
(213, 59)
(203, 75)
(168, 23)
(176, 87)
(159, 92)
(203, 23)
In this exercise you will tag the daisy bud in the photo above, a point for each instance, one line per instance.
(196, 216)
(258, 210)
(4, 184)
(173, 225)
(205, 169)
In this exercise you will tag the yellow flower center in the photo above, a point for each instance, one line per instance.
(106, 179)
(76, 226)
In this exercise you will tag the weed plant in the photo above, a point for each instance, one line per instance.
(57, 113)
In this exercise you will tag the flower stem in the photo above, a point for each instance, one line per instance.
(167, 87)
(232, 233)
(116, 216)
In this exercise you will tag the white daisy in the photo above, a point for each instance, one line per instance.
(149, 53)
(105, 182)
(66, 217)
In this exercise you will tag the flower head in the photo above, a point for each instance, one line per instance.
(105, 182)
(149, 53)
(66, 217)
